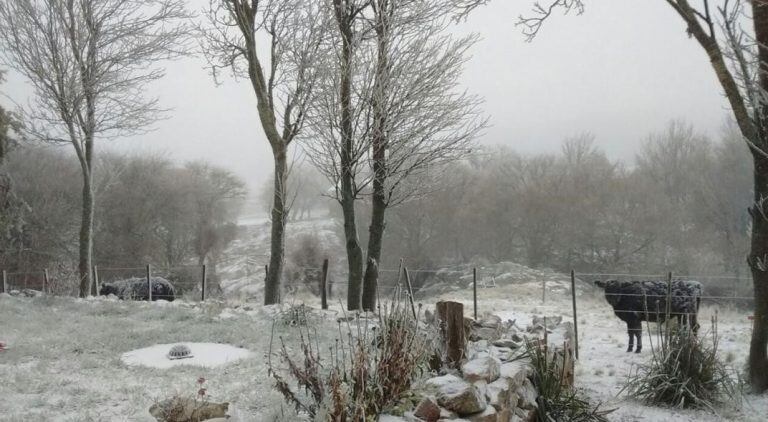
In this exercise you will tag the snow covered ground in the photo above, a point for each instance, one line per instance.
(63, 361)
(604, 363)
(64, 357)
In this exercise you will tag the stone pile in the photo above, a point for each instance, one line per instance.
(494, 383)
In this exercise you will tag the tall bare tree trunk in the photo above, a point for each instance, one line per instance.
(758, 351)
(277, 244)
(86, 236)
(344, 12)
(758, 254)
(379, 147)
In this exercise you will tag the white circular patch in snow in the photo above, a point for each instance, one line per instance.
(204, 354)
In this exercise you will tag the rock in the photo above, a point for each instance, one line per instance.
(504, 415)
(504, 354)
(482, 387)
(484, 333)
(490, 321)
(487, 415)
(524, 415)
(457, 395)
(516, 372)
(447, 414)
(508, 343)
(31, 293)
(552, 321)
(485, 368)
(410, 417)
(181, 409)
(427, 410)
(527, 395)
(498, 393)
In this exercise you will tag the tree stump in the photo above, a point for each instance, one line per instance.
(451, 318)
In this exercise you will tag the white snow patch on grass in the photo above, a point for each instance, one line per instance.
(208, 355)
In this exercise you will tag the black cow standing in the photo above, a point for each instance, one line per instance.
(637, 301)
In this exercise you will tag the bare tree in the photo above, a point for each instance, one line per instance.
(388, 113)
(420, 119)
(89, 62)
(339, 123)
(282, 77)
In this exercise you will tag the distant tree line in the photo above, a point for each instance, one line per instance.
(682, 206)
(149, 211)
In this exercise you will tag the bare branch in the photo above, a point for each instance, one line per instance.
(532, 25)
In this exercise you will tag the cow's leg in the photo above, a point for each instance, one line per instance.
(630, 334)
(635, 330)
(694, 323)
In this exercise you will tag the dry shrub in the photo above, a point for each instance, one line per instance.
(370, 368)
(685, 371)
(189, 408)
(558, 400)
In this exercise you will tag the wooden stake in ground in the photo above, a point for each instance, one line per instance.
(149, 281)
(474, 290)
(96, 279)
(203, 284)
(5, 282)
(575, 319)
(410, 291)
(323, 286)
(451, 319)
(46, 281)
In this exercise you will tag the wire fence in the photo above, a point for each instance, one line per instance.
(195, 283)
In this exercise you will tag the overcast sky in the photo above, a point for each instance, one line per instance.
(621, 70)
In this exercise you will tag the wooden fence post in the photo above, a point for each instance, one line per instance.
(474, 290)
(5, 282)
(410, 290)
(543, 291)
(46, 281)
(149, 281)
(203, 285)
(324, 285)
(575, 317)
(451, 318)
(96, 279)
(668, 310)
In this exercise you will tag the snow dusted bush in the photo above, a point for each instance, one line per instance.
(369, 370)
(558, 400)
(685, 372)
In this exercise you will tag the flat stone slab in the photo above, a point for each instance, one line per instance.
(208, 355)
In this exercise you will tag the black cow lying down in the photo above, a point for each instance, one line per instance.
(137, 289)
(637, 301)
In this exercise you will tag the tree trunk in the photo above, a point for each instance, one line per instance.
(379, 149)
(346, 159)
(758, 254)
(85, 264)
(758, 351)
(277, 243)
(354, 252)
(375, 239)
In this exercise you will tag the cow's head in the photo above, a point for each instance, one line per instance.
(613, 290)
(107, 289)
